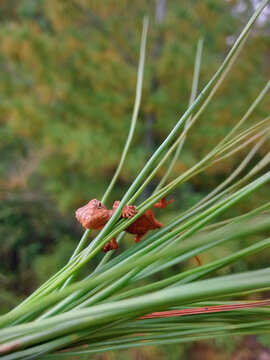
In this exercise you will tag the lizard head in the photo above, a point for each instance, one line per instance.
(91, 216)
(96, 204)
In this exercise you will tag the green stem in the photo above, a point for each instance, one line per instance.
(193, 94)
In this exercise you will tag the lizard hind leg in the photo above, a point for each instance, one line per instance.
(162, 204)
(111, 245)
(158, 224)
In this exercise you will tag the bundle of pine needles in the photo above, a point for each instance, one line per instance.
(119, 305)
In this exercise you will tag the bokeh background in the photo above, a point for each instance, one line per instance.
(67, 85)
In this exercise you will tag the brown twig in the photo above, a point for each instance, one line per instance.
(206, 310)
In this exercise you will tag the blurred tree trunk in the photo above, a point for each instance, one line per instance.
(150, 117)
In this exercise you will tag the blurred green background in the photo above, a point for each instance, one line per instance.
(67, 86)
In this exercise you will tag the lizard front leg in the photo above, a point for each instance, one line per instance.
(128, 211)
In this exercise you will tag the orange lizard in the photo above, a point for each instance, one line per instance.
(95, 215)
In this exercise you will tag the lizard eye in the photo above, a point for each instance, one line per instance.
(99, 205)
